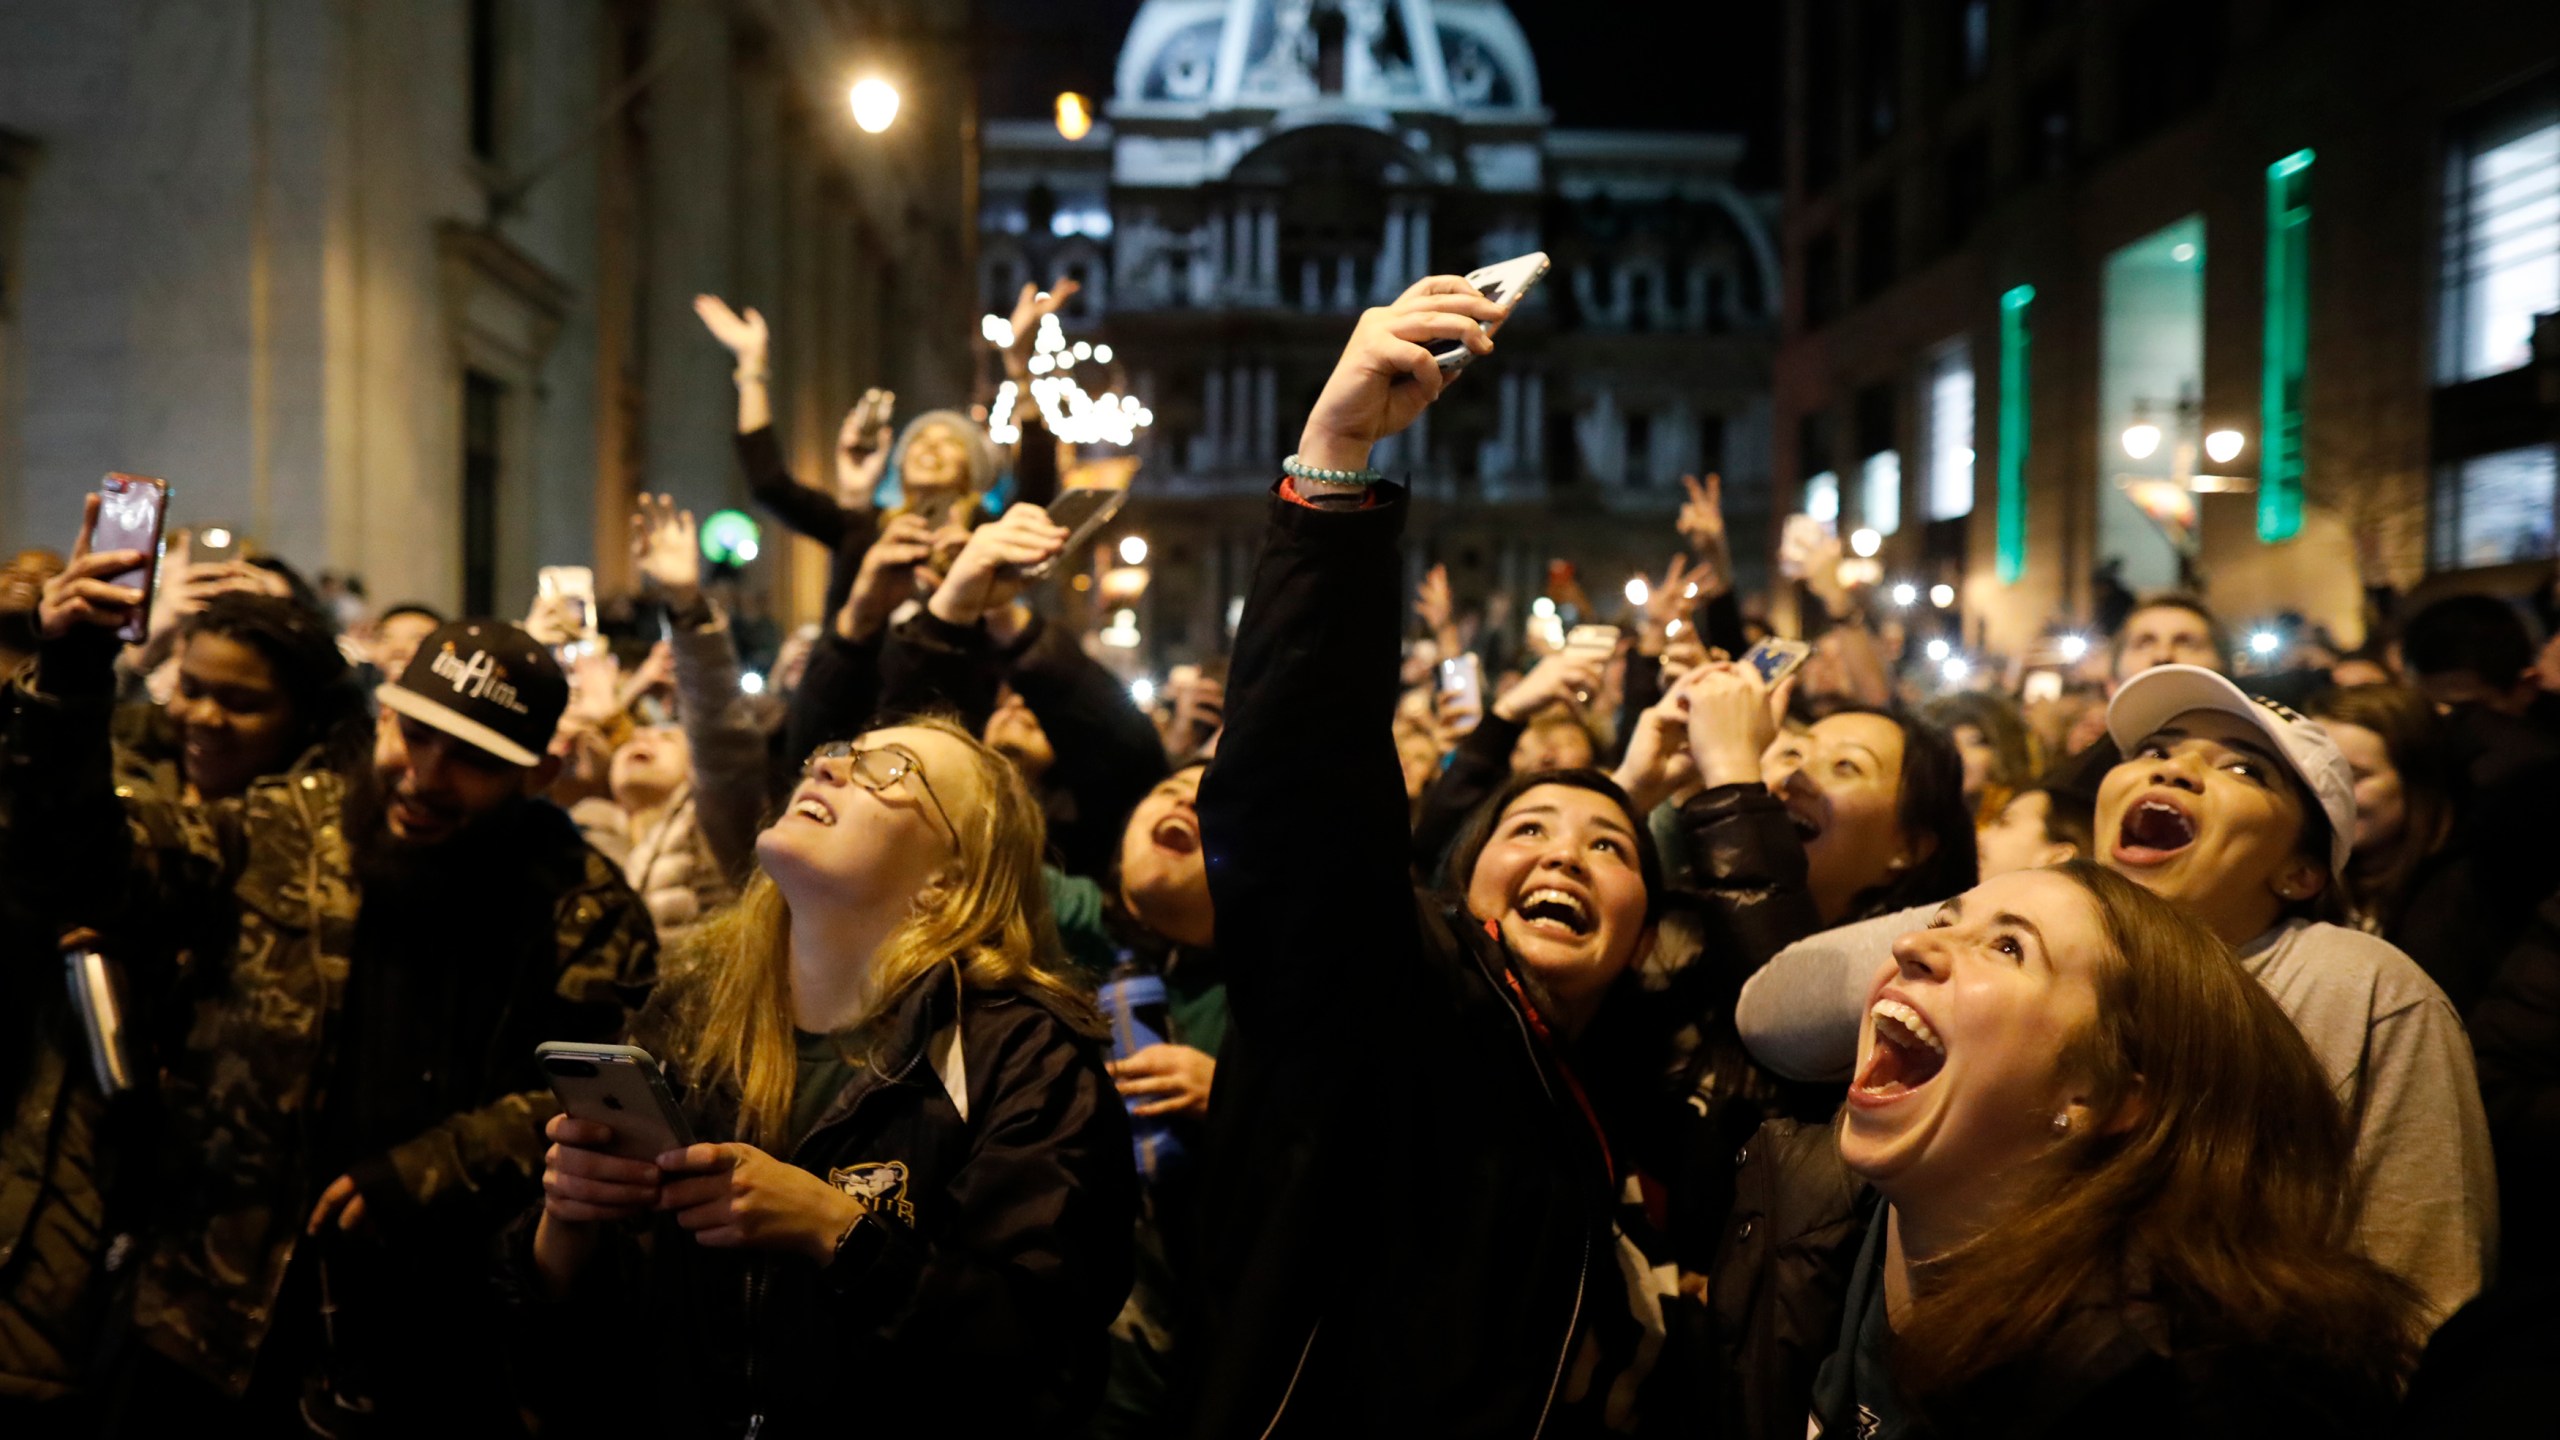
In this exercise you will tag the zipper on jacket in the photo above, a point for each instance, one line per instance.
(1582, 1268)
(1581, 1287)
(1299, 1369)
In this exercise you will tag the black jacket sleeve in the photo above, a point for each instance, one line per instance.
(1481, 766)
(1643, 692)
(806, 511)
(1306, 798)
(1035, 464)
(930, 665)
(2515, 1037)
(838, 696)
(1109, 755)
(1747, 865)
(1719, 624)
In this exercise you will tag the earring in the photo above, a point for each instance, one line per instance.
(2062, 1123)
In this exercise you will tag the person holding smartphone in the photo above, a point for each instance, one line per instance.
(1431, 1107)
(911, 1207)
(353, 969)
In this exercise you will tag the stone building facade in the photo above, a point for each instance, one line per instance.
(403, 287)
(1268, 168)
(2027, 240)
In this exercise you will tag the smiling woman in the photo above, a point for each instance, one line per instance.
(2115, 1191)
(886, 1007)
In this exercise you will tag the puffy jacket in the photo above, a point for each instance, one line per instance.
(995, 1153)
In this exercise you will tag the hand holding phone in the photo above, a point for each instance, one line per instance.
(1462, 693)
(1504, 284)
(618, 1087)
(102, 585)
(1082, 510)
(1776, 658)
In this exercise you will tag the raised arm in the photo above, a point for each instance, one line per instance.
(1307, 791)
(729, 768)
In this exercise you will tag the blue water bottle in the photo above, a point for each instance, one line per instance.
(1134, 999)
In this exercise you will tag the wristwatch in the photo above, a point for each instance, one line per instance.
(857, 1248)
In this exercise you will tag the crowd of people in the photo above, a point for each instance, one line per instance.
(1397, 1027)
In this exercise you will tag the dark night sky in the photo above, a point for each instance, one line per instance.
(1608, 64)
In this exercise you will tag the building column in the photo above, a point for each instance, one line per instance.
(1209, 448)
(1267, 272)
(1248, 265)
(1266, 431)
(1391, 275)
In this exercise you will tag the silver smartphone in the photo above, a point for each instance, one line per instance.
(1083, 510)
(619, 1087)
(1503, 284)
(1595, 643)
(1462, 686)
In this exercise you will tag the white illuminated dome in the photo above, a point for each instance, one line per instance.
(1192, 56)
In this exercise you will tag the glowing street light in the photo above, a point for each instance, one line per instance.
(1075, 115)
(1938, 649)
(1866, 542)
(1942, 596)
(2074, 647)
(1955, 669)
(2224, 446)
(1638, 592)
(2140, 440)
(2265, 643)
(1133, 550)
(875, 104)
(1906, 594)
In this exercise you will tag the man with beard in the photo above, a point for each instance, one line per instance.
(347, 976)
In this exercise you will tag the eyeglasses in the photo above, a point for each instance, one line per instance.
(876, 769)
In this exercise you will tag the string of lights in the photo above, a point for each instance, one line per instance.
(1071, 415)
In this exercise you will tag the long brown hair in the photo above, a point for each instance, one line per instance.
(2413, 737)
(992, 920)
(2227, 1201)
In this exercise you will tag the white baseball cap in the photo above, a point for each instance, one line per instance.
(2150, 700)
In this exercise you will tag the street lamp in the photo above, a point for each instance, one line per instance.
(1075, 115)
(1865, 541)
(2141, 439)
(1133, 550)
(1937, 649)
(1638, 592)
(875, 104)
(2223, 446)
(2074, 647)
(1942, 596)
(1906, 594)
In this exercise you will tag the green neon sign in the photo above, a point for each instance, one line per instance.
(2287, 347)
(2014, 407)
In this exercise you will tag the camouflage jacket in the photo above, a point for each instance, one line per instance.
(237, 922)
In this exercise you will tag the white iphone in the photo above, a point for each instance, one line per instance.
(1503, 284)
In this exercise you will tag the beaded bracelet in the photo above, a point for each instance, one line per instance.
(1299, 470)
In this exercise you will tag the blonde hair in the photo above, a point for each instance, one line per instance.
(991, 921)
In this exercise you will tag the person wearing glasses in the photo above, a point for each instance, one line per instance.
(913, 1172)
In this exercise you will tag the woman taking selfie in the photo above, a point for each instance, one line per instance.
(1428, 1109)
(914, 1173)
(2095, 1184)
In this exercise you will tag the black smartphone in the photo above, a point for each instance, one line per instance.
(1083, 510)
(133, 510)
